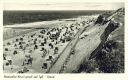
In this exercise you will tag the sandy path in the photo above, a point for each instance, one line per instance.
(58, 65)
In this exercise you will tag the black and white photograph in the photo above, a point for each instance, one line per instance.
(64, 38)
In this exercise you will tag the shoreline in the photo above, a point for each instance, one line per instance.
(23, 28)
(46, 22)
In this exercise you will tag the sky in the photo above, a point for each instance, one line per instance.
(62, 6)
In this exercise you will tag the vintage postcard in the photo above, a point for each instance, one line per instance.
(48, 40)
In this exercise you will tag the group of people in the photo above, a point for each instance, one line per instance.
(47, 41)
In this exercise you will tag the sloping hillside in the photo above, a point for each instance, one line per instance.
(109, 56)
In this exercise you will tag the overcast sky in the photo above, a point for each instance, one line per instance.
(62, 6)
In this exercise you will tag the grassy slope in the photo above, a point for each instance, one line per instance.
(109, 60)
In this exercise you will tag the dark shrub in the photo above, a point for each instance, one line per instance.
(110, 62)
